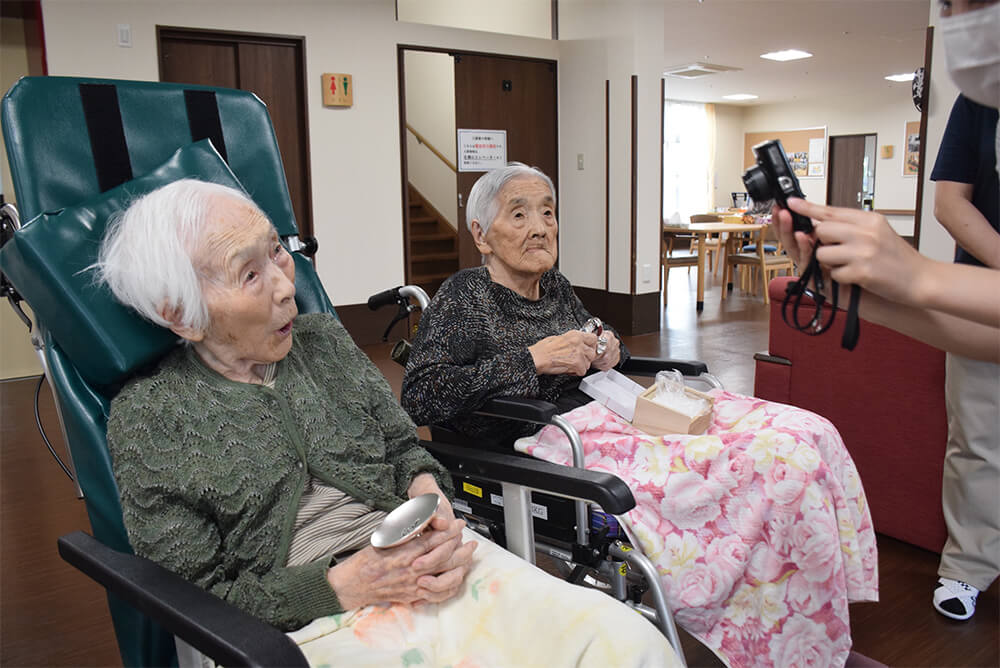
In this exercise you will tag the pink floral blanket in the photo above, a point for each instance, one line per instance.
(759, 527)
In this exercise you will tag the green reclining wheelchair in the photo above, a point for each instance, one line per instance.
(79, 151)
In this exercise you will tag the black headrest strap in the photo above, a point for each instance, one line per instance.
(107, 135)
(203, 118)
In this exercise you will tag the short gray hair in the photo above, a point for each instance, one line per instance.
(146, 257)
(484, 202)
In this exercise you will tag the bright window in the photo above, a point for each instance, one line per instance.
(687, 183)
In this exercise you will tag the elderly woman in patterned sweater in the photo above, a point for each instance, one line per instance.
(511, 327)
(759, 527)
(257, 464)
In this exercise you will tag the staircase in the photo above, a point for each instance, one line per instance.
(433, 245)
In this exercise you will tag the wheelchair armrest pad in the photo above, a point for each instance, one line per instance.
(607, 490)
(519, 408)
(214, 627)
(648, 366)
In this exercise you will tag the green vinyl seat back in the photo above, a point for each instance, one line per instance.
(66, 187)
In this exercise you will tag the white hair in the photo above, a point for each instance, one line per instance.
(484, 200)
(146, 257)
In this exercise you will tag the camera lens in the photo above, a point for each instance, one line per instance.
(756, 182)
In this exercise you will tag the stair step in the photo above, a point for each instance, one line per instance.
(432, 236)
(430, 278)
(416, 220)
(429, 257)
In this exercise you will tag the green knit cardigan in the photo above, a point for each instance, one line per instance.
(211, 471)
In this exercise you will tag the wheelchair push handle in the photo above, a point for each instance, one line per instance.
(384, 298)
(401, 297)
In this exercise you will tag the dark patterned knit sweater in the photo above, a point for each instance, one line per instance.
(211, 470)
(472, 346)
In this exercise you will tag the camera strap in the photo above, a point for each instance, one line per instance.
(816, 325)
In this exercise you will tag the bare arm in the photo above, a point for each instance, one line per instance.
(931, 309)
(954, 210)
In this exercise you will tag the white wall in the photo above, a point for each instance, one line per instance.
(729, 120)
(17, 356)
(935, 241)
(884, 116)
(609, 41)
(528, 18)
(355, 152)
(430, 110)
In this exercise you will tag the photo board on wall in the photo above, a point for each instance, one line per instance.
(806, 149)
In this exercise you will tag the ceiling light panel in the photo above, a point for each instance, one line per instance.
(740, 96)
(787, 54)
(900, 77)
(695, 70)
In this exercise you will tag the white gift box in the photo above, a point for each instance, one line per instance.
(635, 403)
(614, 390)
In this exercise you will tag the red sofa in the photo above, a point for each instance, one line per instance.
(886, 397)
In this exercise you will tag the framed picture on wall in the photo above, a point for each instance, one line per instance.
(911, 148)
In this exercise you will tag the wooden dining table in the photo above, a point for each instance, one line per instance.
(702, 230)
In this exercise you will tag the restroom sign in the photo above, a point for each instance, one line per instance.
(481, 150)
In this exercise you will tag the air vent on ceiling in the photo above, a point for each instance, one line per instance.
(695, 70)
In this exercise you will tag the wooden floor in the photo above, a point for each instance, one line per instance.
(52, 616)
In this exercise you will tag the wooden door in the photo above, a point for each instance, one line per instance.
(844, 186)
(270, 66)
(512, 94)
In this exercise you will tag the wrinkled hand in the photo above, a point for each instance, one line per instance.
(860, 248)
(429, 568)
(612, 352)
(424, 483)
(572, 353)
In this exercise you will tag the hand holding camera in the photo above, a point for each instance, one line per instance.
(773, 178)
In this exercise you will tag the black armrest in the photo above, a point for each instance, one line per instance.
(648, 366)
(607, 490)
(214, 627)
(519, 408)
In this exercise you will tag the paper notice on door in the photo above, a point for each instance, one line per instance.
(481, 150)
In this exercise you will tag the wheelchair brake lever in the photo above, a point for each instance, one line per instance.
(402, 312)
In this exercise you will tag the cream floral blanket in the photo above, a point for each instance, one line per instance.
(759, 527)
(509, 614)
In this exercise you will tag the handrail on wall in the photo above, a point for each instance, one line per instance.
(420, 138)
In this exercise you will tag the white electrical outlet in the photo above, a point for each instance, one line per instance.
(124, 35)
(579, 161)
(647, 273)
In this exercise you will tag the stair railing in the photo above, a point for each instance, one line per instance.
(423, 140)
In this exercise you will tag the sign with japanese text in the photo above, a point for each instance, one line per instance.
(481, 150)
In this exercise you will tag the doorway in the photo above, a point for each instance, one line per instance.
(487, 92)
(851, 182)
(272, 67)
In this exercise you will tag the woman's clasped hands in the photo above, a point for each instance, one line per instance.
(427, 569)
(574, 352)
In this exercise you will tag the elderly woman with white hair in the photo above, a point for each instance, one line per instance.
(759, 527)
(258, 459)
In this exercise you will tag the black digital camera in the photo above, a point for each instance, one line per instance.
(772, 178)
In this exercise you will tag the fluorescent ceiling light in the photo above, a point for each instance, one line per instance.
(787, 54)
(739, 96)
(900, 77)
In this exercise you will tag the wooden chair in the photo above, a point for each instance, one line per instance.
(669, 260)
(713, 243)
(767, 265)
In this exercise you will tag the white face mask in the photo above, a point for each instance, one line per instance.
(972, 48)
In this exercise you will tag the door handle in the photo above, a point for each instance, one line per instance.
(460, 205)
(859, 198)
